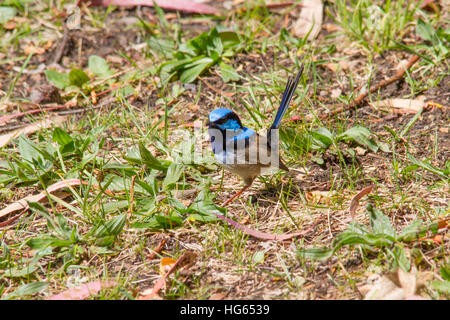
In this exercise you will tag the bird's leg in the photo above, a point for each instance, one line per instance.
(235, 196)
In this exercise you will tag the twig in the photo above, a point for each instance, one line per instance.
(62, 46)
(157, 249)
(219, 92)
(397, 76)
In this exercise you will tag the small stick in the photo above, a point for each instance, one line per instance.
(157, 249)
(397, 76)
(62, 46)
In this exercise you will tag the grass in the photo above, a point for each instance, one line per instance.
(138, 189)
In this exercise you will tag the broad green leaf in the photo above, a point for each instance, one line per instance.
(442, 286)
(380, 223)
(26, 290)
(228, 73)
(149, 159)
(58, 79)
(360, 135)
(445, 272)
(67, 144)
(173, 175)
(427, 166)
(204, 208)
(322, 138)
(99, 66)
(316, 253)
(42, 243)
(77, 77)
(28, 149)
(168, 221)
(411, 231)
(7, 13)
(112, 227)
(17, 272)
(424, 30)
(258, 257)
(192, 73)
(351, 238)
(400, 258)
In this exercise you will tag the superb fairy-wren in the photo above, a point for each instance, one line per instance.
(243, 151)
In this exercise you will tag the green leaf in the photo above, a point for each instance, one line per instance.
(411, 231)
(228, 73)
(316, 253)
(42, 243)
(424, 30)
(160, 14)
(77, 77)
(28, 149)
(149, 159)
(26, 290)
(7, 13)
(400, 258)
(173, 175)
(17, 272)
(112, 227)
(322, 138)
(58, 79)
(360, 135)
(99, 66)
(442, 286)
(258, 257)
(380, 223)
(427, 166)
(66, 142)
(204, 208)
(445, 272)
(192, 73)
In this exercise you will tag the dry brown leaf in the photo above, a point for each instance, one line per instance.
(33, 127)
(218, 296)
(83, 291)
(23, 203)
(11, 24)
(310, 20)
(184, 261)
(409, 105)
(193, 107)
(399, 285)
(355, 201)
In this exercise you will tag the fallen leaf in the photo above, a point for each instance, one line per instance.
(399, 285)
(193, 107)
(11, 24)
(178, 5)
(336, 92)
(310, 20)
(33, 127)
(218, 296)
(408, 105)
(83, 291)
(184, 261)
(22, 204)
(33, 50)
(355, 201)
(165, 264)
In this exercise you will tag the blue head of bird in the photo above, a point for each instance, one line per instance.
(227, 134)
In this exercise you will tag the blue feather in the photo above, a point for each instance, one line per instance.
(217, 114)
(286, 100)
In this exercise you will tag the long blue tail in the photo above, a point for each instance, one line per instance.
(287, 97)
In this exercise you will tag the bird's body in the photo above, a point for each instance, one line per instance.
(243, 151)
